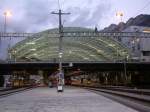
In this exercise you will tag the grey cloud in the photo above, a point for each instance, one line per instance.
(28, 16)
(35, 15)
(84, 18)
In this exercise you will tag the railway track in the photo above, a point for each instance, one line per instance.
(9, 91)
(138, 99)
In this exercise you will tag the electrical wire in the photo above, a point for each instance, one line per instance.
(59, 4)
(145, 6)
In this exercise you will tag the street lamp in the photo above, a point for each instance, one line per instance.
(6, 15)
(119, 15)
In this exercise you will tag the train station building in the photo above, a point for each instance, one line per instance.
(76, 48)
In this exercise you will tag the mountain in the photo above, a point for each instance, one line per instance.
(140, 20)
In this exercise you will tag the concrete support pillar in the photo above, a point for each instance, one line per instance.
(116, 79)
(97, 77)
(106, 78)
(1, 80)
(6, 80)
(129, 78)
(126, 78)
(122, 77)
(100, 77)
(41, 77)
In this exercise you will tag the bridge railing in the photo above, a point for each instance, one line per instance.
(80, 34)
(55, 62)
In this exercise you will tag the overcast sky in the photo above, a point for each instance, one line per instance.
(34, 15)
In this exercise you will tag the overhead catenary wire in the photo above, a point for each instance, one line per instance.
(144, 7)
(59, 7)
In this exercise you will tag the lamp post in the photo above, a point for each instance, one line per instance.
(5, 21)
(125, 68)
(119, 15)
(6, 15)
(117, 53)
(125, 71)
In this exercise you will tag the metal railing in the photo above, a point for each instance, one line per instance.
(80, 34)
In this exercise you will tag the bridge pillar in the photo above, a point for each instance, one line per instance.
(129, 78)
(106, 77)
(116, 79)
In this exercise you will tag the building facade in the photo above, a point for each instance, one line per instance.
(140, 47)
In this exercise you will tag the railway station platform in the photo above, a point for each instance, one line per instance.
(73, 99)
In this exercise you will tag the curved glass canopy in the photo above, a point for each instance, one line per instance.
(45, 47)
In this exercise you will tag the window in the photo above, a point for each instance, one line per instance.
(146, 53)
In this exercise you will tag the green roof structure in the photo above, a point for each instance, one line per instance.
(44, 46)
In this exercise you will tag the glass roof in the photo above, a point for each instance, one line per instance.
(44, 47)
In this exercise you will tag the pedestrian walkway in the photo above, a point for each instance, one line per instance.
(71, 100)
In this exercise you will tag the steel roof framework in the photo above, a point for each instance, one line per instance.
(79, 44)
